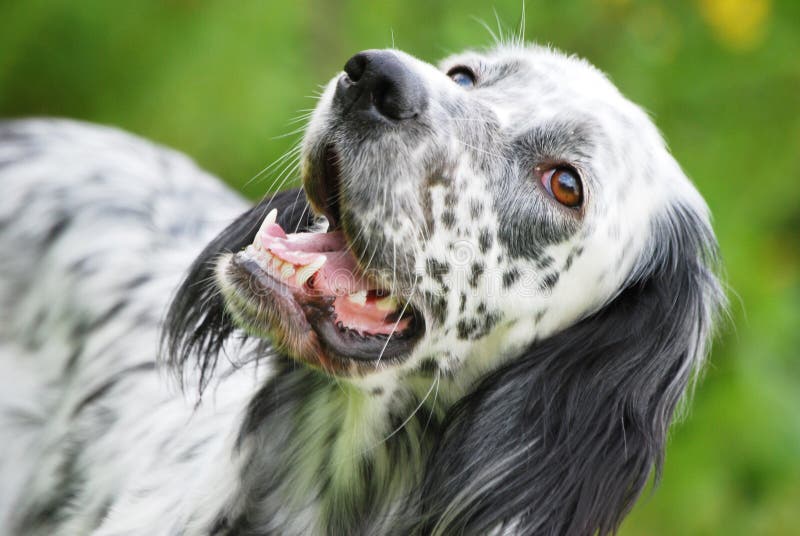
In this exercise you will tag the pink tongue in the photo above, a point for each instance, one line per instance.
(338, 276)
(367, 318)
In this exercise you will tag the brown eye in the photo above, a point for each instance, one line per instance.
(564, 184)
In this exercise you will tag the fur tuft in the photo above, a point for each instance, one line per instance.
(197, 324)
(570, 432)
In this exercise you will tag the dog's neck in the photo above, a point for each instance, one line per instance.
(331, 456)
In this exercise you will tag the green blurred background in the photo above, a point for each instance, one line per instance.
(224, 81)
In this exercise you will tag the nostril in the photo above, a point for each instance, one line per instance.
(356, 66)
(378, 82)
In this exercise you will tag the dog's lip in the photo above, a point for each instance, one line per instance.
(308, 320)
(322, 184)
(308, 290)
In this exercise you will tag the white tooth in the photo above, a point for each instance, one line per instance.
(267, 261)
(389, 303)
(287, 271)
(270, 219)
(304, 272)
(359, 297)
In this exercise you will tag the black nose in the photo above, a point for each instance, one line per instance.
(379, 81)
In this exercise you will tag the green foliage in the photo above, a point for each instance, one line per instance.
(223, 81)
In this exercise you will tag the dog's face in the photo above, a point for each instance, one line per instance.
(471, 209)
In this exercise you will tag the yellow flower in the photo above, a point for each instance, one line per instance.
(738, 24)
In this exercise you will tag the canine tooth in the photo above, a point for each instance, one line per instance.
(287, 270)
(388, 303)
(304, 272)
(269, 220)
(262, 231)
(359, 297)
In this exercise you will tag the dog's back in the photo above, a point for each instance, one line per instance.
(96, 227)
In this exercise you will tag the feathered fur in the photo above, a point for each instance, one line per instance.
(558, 345)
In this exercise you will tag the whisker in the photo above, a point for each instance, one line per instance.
(433, 404)
(397, 322)
(408, 419)
(478, 149)
(487, 28)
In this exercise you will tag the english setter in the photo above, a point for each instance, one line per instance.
(478, 316)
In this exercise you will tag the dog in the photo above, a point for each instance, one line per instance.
(479, 315)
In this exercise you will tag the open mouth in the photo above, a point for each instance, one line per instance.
(307, 291)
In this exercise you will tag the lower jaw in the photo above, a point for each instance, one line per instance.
(303, 331)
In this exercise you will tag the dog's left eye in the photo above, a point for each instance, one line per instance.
(564, 184)
(463, 76)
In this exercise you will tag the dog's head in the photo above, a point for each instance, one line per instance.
(471, 210)
(508, 221)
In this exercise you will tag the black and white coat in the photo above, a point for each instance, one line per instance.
(557, 344)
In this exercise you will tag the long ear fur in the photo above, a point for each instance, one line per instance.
(197, 324)
(569, 433)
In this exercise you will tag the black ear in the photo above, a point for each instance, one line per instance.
(563, 440)
(197, 324)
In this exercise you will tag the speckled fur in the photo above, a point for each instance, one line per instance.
(549, 331)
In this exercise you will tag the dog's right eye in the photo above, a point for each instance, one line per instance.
(463, 76)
